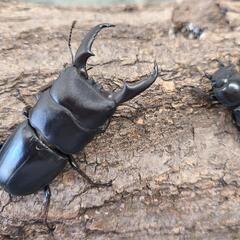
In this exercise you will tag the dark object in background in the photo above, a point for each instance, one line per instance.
(226, 88)
(67, 116)
(188, 30)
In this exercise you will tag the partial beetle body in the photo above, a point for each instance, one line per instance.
(226, 89)
(27, 164)
(65, 119)
(80, 105)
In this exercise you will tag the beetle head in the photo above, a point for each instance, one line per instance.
(92, 104)
(86, 99)
(226, 85)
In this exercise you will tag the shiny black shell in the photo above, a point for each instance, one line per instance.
(70, 113)
(226, 86)
(27, 164)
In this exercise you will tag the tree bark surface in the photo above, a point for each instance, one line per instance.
(173, 156)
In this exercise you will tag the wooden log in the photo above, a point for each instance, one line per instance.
(173, 156)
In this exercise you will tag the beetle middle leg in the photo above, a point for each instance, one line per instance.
(75, 166)
(47, 193)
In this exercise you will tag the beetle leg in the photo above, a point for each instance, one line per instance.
(220, 63)
(47, 192)
(104, 127)
(212, 98)
(130, 91)
(27, 107)
(20, 97)
(75, 166)
(207, 75)
(26, 111)
(84, 51)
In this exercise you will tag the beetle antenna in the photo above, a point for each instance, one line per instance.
(70, 38)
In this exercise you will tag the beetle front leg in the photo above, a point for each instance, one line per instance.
(48, 194)
(27, 107)
(212, 97)
(75, 166)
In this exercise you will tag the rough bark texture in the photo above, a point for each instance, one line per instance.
(173, 156)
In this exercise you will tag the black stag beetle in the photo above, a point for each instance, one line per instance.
(66, 117)
(226, 88)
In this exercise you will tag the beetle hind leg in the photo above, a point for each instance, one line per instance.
(47, 193)
(75, 166)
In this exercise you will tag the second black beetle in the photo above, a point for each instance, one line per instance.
(67, 116)
(226, 88)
